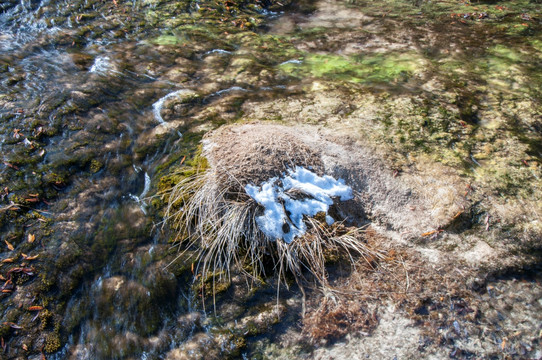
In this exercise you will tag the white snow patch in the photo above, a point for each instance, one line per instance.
(283, 214)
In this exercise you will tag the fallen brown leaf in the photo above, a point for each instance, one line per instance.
(10, 246)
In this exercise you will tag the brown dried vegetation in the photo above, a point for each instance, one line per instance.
(335, 318)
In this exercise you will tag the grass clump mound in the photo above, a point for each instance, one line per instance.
(211, 209)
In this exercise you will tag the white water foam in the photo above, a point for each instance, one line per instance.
(293, 61)
(218, 51)
(233, 88)
(157, 106)
(141, 198)
(101, 66)
(147, 186)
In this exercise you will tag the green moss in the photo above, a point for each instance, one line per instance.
(267, 50)
(360, 69)
(183, 260)
(52, 343)
(46, 282)
(168, 40)
(45, 318)
(196, 164)
(240, 343)
(54, 178)
(537, 45)
(190, 149)
(502, 59)
(95, 166)
(183, 34)
(506, 53)
(21, 279)
(214, 283)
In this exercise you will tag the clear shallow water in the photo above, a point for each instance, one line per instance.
(89, 124)
(86, 124)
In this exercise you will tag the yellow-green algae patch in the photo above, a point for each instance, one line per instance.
(389, 67)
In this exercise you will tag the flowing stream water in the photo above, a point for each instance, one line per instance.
(100, 98)
(84, 130)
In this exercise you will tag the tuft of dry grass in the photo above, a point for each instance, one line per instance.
(219, 219)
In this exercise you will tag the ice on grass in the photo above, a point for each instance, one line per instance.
(283, 212)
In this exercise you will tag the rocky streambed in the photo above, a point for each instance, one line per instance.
(105, 104)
